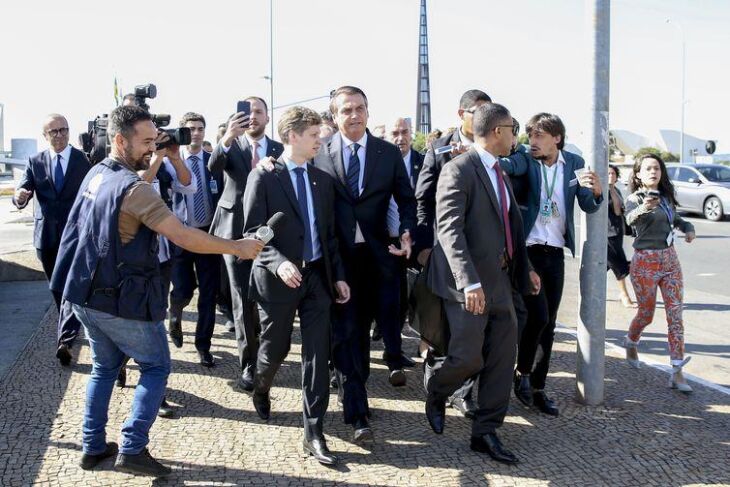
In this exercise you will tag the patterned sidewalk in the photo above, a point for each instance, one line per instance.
(645, 434)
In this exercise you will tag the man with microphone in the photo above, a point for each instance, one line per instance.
(298, 271)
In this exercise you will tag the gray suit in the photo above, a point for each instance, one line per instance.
(228, 223)
(470, 249)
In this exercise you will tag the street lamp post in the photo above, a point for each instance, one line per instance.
(681, 125)
(271, 64)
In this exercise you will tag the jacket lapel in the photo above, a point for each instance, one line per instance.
(282, 174)
(373, 150)
(536, 176)
(318, 204)
(335, 153)
(486, 181)
(245, 149)
(271, 149)
(47, 167)
(568, 172)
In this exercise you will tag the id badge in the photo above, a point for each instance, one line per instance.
(670, 238)
(555, 211)
(213, 186)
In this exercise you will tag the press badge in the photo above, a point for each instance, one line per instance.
(546, 211)
(213, 186)
(670, 238)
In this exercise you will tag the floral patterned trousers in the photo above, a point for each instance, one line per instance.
(658, 268)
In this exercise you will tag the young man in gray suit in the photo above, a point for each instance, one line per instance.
(479, 256)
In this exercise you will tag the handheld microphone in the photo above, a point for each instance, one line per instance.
(266, 232)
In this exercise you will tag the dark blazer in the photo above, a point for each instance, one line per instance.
(416, 165)
(384, 176)
(52, 209)
(270, 192)
(235, 165)
(426, 189)
(525, 170)
(470, 236)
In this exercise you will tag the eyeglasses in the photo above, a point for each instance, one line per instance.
(57, 132)
(515, 128)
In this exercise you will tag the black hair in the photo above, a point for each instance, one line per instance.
(346, 90)
(666, 188)
(471, 97)
(548, 123)
(487, 117)
(123, 119)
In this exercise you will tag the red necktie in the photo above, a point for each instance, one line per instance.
(255, 158)
(505, 211)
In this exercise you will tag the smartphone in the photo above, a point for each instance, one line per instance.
(244, 106)
(444, 149)
(653, 193)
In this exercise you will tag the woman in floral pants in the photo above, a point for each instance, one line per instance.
(651, 211)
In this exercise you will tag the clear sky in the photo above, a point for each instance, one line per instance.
(530, 55)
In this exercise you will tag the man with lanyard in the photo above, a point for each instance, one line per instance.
(108, 269)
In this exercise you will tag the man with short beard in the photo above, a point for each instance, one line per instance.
(240, 149)
(108, 269)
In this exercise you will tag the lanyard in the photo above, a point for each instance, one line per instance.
(664, 205)
(549, 189)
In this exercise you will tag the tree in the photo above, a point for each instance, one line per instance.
(419, 142)
(523, 139)
(665, 155)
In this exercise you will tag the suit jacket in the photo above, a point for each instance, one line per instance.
(525, 170)
(52, 208)
(416, 165)
(236, 166)
(384, 176)
(178, 199)
(270, 192)
(470, 236)
(426, 190)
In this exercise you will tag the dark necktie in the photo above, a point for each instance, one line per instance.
(308, 252)
(505, 211)
(353, 171)
(58, 175)
(199, 195)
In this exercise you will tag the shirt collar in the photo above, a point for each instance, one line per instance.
(561, 160)
(487, 159)
(347, 142)
(187, 155)
(464, 139)
(65, 153)
(290, 165)
(261, 141)
(407, 158)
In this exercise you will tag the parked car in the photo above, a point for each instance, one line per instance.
(702, 188)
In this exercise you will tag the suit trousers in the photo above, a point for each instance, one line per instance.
(313, 306)
(68, 326)
(191, 270)
(245, 316)
(542, 313)
(371, 295)
(482, 345)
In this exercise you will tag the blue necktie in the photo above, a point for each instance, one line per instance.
(58, 175)
(353, 171)
(199, 196)
(304, 208)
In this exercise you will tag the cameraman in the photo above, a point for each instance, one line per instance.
(109, 270)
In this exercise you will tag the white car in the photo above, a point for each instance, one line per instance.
(702, 188)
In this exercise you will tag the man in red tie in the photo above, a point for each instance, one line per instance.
(479, 256)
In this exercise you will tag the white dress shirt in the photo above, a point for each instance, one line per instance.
(189, 191)
(263, 145)
(552, 233)
(346, 153)
(65, 155)
(393, 216)
(488, 160)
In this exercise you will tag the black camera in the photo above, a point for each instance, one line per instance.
(179, 136)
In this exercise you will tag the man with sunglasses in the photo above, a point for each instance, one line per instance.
(53, 176)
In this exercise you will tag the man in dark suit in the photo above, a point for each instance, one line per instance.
(300, 270)
(53, 177)
(547, 187)
(437, 156)
(191, 270)
(368, 171)
(240, 150)
(478, 258)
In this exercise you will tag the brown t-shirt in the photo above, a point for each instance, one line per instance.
(142, 205)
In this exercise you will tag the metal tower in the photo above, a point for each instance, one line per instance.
(423, 105)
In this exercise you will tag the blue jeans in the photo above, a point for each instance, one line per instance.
(111, 338)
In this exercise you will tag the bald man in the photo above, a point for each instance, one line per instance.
(53, 176)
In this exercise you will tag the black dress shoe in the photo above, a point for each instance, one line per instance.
(362, 433)
(63, 354)
(523, 389)
(491, 445)
(165, 411)
(318, 449)
(377, 336)
(545, 405)
(90, 461)
(465, 406)
(436, 413)
(230, 326)
(206, 359)
(141, 464)
(397, 378)
(176, 335)
(262, 404)
(122, 377)
(245, 382)
(333, 380)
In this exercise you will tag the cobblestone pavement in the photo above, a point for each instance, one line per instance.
(644, 435)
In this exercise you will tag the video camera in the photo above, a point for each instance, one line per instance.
(96, 144)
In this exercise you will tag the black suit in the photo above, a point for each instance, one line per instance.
(51, 213)
(471, 249)
(266, 194)
(228, 223)
(369, 268)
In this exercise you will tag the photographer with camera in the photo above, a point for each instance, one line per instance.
(108, 269)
